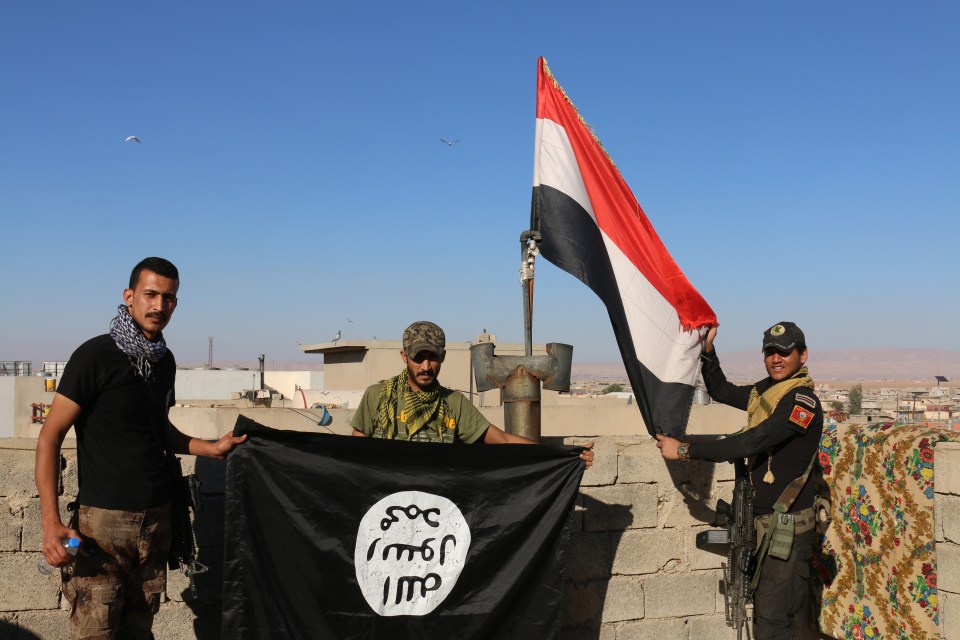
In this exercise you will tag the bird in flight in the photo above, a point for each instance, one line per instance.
(134, 138)
(336, 338)
(449, 143)
(348, 320)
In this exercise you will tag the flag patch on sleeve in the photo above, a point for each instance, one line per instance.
(801, 416)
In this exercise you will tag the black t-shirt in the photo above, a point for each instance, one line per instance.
(120, 458)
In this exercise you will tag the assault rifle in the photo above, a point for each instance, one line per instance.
(185, 495)
(740, 535)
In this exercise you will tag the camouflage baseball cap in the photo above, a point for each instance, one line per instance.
(424, 336)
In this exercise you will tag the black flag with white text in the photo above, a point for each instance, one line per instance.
(344, 537)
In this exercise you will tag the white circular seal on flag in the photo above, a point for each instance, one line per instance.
(411, 548)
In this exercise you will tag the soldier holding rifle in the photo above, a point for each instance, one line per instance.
(780, 443)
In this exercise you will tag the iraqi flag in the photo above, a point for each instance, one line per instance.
(593, 228)
(337, 537)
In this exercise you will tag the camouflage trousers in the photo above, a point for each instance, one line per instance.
(115, 584)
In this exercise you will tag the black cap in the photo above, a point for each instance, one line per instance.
(783, 336)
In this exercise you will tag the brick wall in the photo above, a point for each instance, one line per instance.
(633, 569)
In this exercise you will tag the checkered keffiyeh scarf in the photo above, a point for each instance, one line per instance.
(141, 352)
(420, 407)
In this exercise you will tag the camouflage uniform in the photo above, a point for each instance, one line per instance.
(118, 578)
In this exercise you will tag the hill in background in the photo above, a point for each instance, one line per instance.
(915, 365)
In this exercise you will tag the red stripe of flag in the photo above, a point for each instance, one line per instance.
(617, 211)
(593, 227)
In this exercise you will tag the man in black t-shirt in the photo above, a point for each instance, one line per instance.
(116, 390)
(784, 425)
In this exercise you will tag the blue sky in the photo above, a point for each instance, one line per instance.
(799, 160)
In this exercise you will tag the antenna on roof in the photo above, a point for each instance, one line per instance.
(210, 352)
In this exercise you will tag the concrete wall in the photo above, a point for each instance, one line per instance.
(633, 570)
(17, 394)
(355, 364)
(221, 384)
(946, 505)
(560, 415)
(287, 382)
(6, 406)
(214, 384)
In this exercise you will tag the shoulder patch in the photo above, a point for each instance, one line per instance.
(801, 416)
(807, 400)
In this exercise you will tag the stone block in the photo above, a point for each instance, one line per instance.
(672, 628)
(642, 462)
(188, 464)
(948, 567)
(644, 551)
(623, 599)
(178, 586)
(23, 587)
(16, 474)
(625, 506)
(48, 625)
(175, 621)
(68, 476)
(588, 556)
(11, 527)
(949, 616)
(713, 627)
(947, 509)
(588, 632)
(32, 540)
(582, 602)
(604, 468)
(677, 595)
(724, 472)
(938, 517)
(947, 467)
(682, 509)
(699, 559)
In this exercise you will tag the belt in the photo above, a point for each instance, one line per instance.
(803, 521)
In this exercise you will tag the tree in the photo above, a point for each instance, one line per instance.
(855, 400)
(836, 405)
(613, 388)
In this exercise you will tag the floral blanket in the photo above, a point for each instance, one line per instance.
(877, 564)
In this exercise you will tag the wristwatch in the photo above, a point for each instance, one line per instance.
(683, 451)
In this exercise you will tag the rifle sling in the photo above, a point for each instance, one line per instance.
(780, 507)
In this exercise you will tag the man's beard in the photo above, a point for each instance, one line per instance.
(412, 375)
